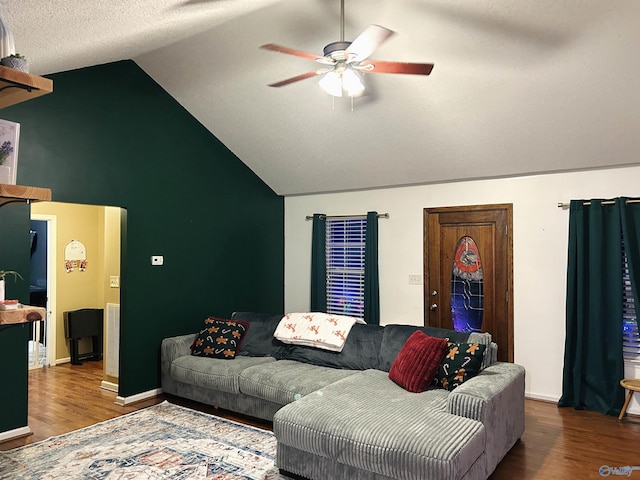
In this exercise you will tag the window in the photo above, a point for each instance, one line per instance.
(630, 337)
(345, 251)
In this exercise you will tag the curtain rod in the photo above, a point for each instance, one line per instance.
(606, 202)
(380, 215)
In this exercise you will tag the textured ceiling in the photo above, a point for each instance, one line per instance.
(519, 87)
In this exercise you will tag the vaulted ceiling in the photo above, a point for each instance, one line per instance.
(519, 87)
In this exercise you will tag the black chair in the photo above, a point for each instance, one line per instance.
(86, 322)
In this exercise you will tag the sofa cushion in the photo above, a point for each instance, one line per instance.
(219, 338)
(483, 338)
(395, 336)
(259, 341)
(284, 381)
(338, 425)
(213, 373)
(416, 365)
(360, 351)
(462, 362)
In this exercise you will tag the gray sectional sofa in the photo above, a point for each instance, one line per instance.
(339, 416)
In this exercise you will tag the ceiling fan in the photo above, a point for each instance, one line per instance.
(345, 61)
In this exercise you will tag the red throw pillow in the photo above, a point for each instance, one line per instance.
(416, 365)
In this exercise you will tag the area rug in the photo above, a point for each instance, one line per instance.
(165, 441)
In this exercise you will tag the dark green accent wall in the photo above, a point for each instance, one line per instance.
(109, 135)
(14, 255)
(13, 356)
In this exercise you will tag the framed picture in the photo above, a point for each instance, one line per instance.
(9, 138)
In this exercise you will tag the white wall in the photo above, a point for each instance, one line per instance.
(539, 252)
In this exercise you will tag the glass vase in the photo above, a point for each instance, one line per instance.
(7, 46)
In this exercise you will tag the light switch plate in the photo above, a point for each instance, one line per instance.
(114, 281)
(415, 279)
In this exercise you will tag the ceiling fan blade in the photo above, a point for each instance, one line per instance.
(297, 78)
(396, 67)
(365, 44)
(291, 51)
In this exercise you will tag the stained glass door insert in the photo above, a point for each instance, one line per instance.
(467, 287)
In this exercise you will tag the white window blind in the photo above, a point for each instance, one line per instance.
(630, 337)
(345, 246)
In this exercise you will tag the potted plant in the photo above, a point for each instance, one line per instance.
(16, 61)
(3, 274)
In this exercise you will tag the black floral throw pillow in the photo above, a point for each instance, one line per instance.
(219, 338)
(461, 362)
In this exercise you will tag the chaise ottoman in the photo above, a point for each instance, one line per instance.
(366, 427)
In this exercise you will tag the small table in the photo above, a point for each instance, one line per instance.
(86, 322)
(633, 385)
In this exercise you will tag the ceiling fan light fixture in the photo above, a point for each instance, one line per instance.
(351, 83)
(337, 83)
(331, 83)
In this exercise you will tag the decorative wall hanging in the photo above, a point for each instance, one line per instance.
(75, 255)
(9, 137)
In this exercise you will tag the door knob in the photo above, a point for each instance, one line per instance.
(433, 306)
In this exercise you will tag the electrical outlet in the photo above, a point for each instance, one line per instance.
(415, 279)
(157, 260)
(114, 281)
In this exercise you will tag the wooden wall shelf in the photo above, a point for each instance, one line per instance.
(25, 314)
(22, 193)
(17, 86)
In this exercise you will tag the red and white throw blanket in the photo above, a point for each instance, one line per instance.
(315, 329)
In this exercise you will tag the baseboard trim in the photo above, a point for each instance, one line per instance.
(60, 361)
(632, 411)
(544, 398)
(122, 401)
(15, 433)
(112, 387)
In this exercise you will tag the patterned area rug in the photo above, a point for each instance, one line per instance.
(165, 441)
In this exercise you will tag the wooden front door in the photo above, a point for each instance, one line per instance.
(473, 246)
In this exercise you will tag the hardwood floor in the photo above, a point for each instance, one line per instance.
(557, 443)
(563, 443)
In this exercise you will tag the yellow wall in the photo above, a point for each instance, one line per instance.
(111, 268)
(111, 252)
(98, 228)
